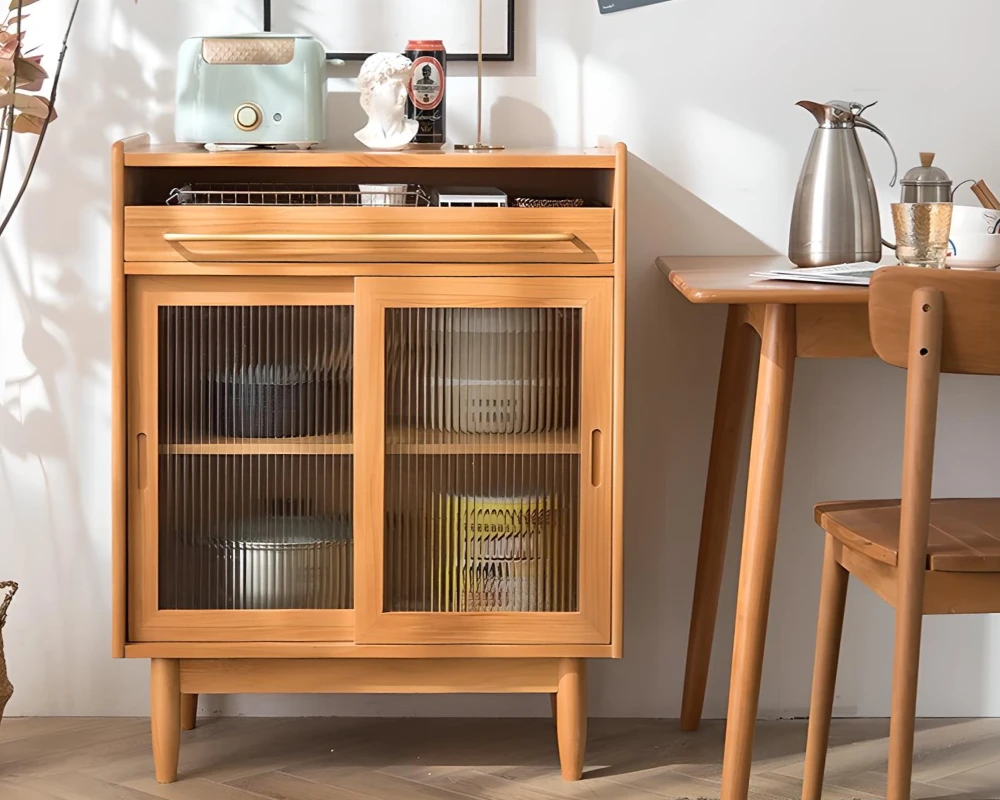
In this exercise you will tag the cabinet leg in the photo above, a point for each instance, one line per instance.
(571, 716)
(165, 716)
(189, 711)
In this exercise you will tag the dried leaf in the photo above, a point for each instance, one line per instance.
(32, 105)
(8, 44)
(29, 69)
(12, 21)
(23, 3)
(6, 67)
(25, 123)
(31, 82)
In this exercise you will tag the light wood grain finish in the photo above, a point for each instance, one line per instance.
(964, 535)
(418, 257)
(731, 404)
(139, 153)
(837, 330)
(374, 270)
(119, 425)
(620, 202)
(165, 716)
(189, 712)
(465, 759)
(299, 650)
(921, 556)
(571, 717)
(767, 458)
(970, 300)
(826, 322)
(923, 381)
(726, 280)
(434, 235)
(833, 593)
(147, 622)
(400, 676)
(592, 623)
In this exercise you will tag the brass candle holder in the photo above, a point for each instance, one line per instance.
(479, 146)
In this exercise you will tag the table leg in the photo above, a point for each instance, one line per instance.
(723, 463)
(760, 531)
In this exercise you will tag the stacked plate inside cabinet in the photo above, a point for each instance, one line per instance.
(497, 371)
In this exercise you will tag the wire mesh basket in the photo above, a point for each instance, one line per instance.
(287, 194)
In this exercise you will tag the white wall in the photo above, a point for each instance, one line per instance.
(703, 93)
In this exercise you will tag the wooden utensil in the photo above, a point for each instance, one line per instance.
(986, 197)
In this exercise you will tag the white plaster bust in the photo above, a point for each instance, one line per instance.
(384, 81)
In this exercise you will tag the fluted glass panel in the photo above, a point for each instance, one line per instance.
(482, 459)
(255, 465)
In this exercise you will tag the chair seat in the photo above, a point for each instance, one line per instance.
(964, 534)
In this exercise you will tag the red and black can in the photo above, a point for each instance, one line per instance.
(427, 103)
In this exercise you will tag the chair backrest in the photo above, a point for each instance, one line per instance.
(929, 322)
(971, 335)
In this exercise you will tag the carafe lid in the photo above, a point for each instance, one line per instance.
(926, 174)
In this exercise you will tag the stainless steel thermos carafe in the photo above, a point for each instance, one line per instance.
(835, 219)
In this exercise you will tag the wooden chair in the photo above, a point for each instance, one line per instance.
(919, 555)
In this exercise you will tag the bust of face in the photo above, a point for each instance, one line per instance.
(383, 81)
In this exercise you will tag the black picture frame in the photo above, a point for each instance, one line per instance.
(506, 56)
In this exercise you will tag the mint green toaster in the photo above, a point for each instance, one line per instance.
(255, 89)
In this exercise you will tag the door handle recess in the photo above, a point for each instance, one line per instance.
(596, 458)
(140, 460)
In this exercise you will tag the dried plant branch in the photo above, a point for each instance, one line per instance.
(45, 124)
(8, 118)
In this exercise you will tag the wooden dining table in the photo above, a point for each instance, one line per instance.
(793, 320)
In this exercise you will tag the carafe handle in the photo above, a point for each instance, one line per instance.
(861, 122)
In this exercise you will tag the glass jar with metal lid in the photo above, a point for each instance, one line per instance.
(926, 183)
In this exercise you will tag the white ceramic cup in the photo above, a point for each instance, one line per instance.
(973, 219)
(973, 251)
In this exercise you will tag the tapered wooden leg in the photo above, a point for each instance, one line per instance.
(165, 716)
(832, 600)
(571, 717)
(189, 711)
(723, 464)
(760, 533)
(922, 384)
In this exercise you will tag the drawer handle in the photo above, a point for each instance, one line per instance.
(522, 238)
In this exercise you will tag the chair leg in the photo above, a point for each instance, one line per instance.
(165, 716)
(189, 711)
(905, 666)
(832, 600)
(723, 463)
(571, 717)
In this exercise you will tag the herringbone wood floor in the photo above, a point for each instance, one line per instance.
(320, 759)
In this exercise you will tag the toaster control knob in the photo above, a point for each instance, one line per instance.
(248, 117)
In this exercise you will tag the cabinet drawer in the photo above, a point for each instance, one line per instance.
(406, 235)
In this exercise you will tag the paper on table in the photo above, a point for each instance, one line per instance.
(845, 274)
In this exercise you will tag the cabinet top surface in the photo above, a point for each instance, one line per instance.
(142, 154)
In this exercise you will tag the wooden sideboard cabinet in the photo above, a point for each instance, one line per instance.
(363, 442)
